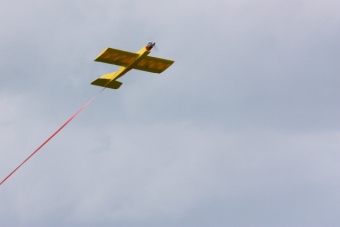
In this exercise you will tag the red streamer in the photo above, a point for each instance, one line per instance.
(56, 132)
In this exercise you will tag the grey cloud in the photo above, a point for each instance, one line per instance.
(242, 130)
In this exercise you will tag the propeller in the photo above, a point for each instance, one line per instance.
(155, 47)
(151, 45)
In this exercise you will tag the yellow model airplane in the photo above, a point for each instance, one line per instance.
(127, 61)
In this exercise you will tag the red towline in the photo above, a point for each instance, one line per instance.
(55, 133)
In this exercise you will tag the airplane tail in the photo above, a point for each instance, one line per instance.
(106, 81)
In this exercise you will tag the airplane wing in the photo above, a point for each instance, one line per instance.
(116, 57)
(153, 64)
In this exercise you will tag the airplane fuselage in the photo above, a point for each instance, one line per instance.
(124, 69)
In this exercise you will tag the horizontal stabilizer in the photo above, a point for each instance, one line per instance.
(106, 81)
(114, 84)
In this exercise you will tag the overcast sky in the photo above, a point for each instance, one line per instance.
(242, 130)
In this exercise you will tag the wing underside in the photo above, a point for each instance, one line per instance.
(153, 64)
(116, 57)
(125, 58)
